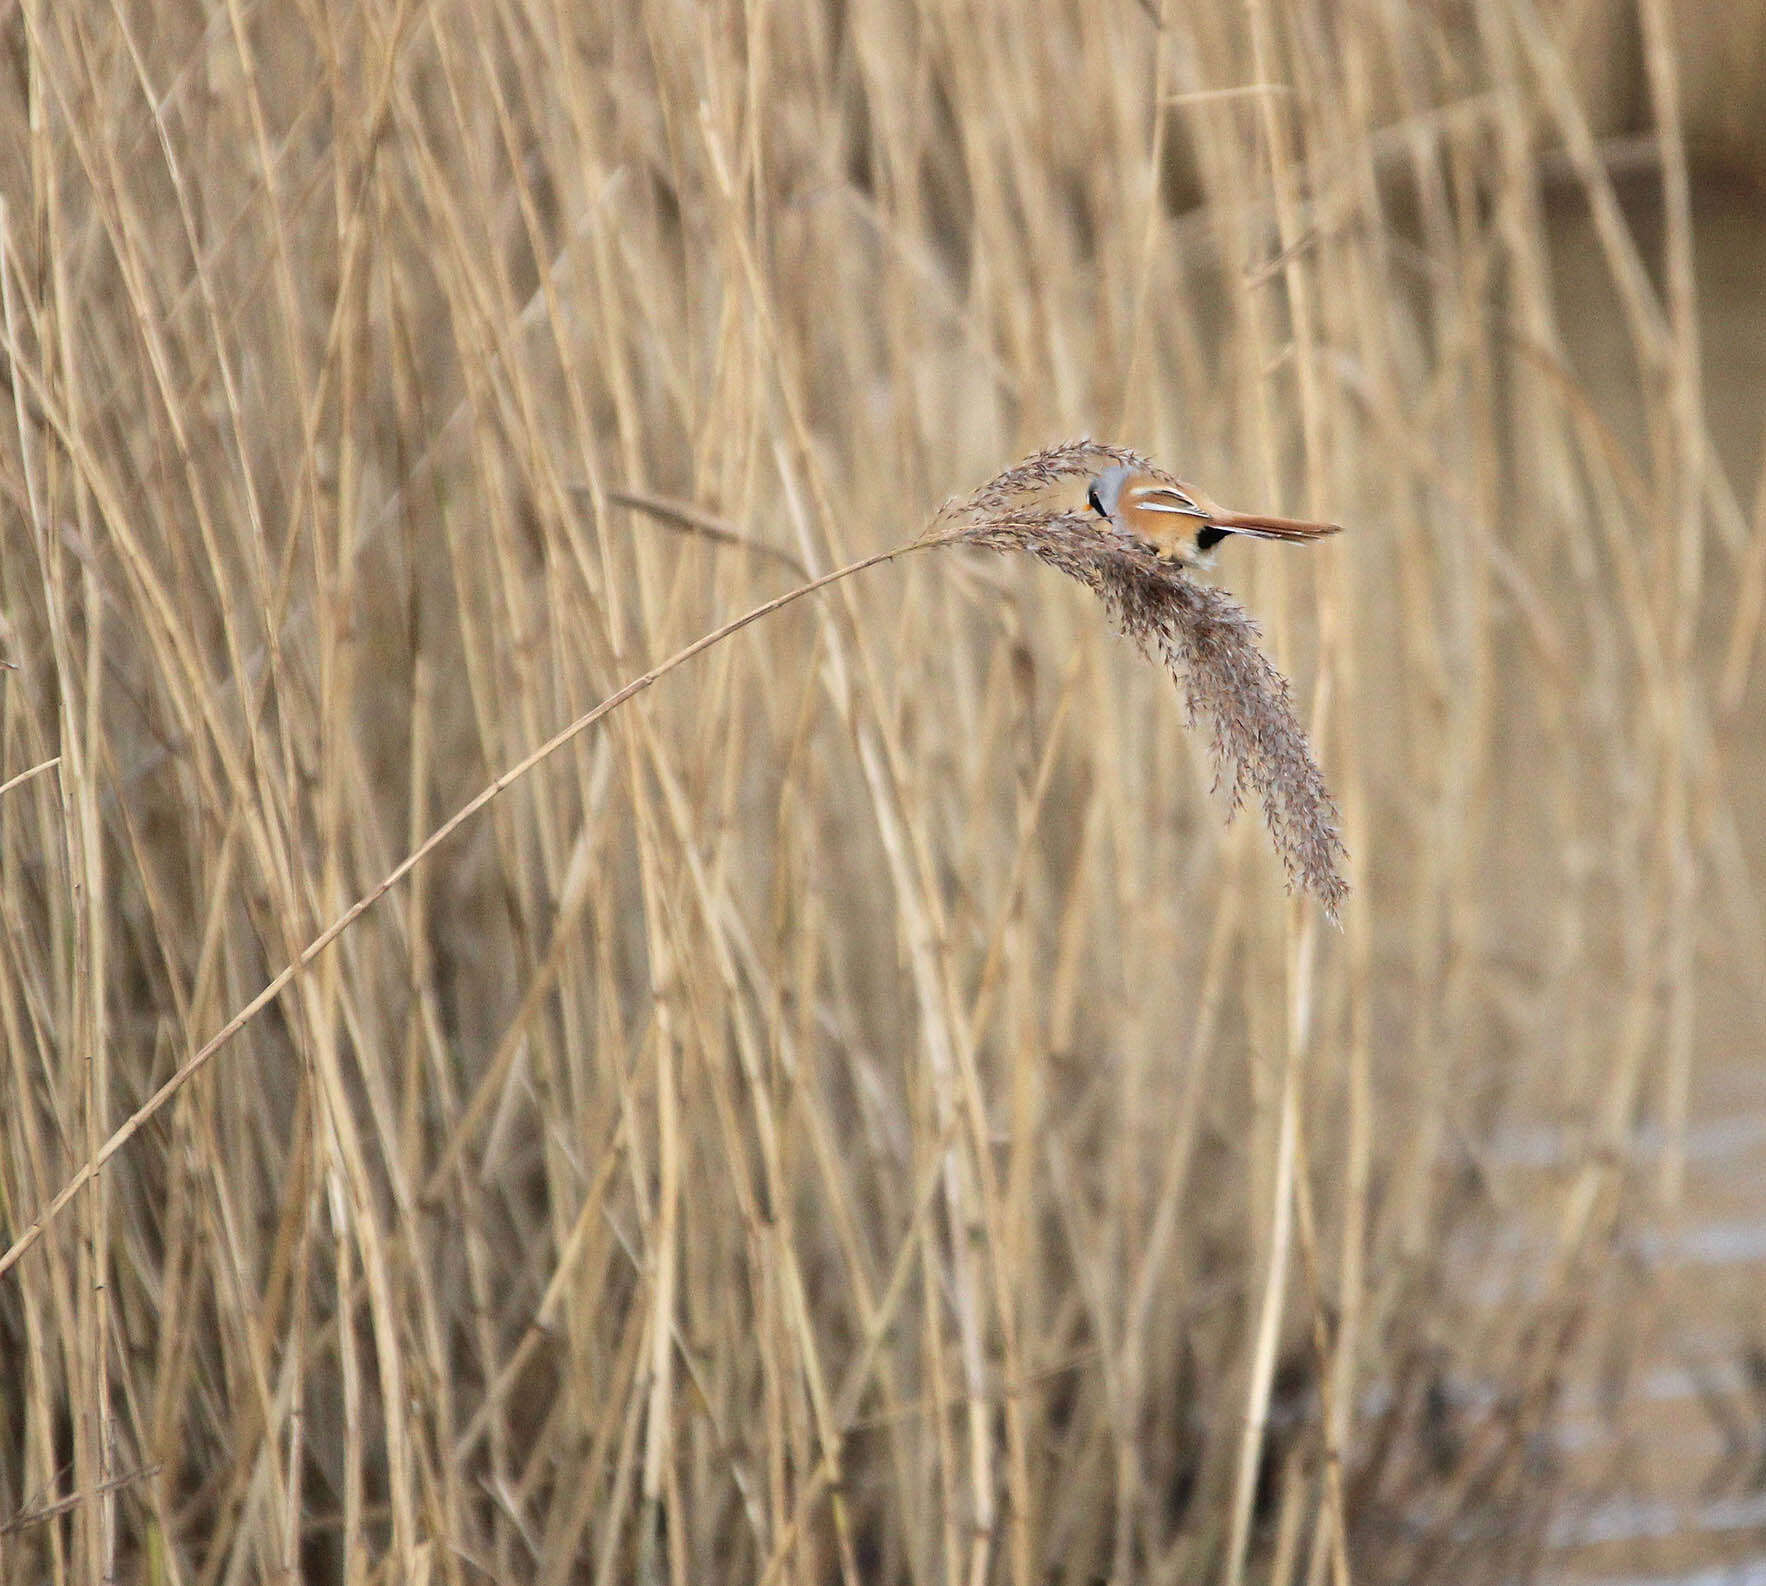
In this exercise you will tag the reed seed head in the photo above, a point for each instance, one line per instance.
(1203, 637)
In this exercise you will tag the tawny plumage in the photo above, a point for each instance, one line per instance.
(1181, 522)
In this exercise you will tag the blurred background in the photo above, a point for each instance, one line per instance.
(862, 1112)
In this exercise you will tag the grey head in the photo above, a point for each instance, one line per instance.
(1106, 490)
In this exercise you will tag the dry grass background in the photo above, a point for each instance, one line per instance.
(857, 1112)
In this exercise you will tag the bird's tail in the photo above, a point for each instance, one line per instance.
(1262, 528)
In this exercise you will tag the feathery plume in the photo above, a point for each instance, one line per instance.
(1204, 638)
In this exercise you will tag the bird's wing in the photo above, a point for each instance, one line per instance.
(1166, 498)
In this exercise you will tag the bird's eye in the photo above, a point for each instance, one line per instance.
(1096, 505)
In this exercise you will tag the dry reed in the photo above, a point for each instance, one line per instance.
(859, 1115)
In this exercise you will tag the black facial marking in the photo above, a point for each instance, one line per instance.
(1210, 537)
(1096, 505)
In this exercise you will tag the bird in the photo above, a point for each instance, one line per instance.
(1181, 523)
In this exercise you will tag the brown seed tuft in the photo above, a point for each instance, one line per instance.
(1205, 639)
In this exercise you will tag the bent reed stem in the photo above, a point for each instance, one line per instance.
(194, 1064)
(1204, 639)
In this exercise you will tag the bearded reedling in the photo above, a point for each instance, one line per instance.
(1180, 522)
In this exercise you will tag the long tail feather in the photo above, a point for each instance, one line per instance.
(1263, 528)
